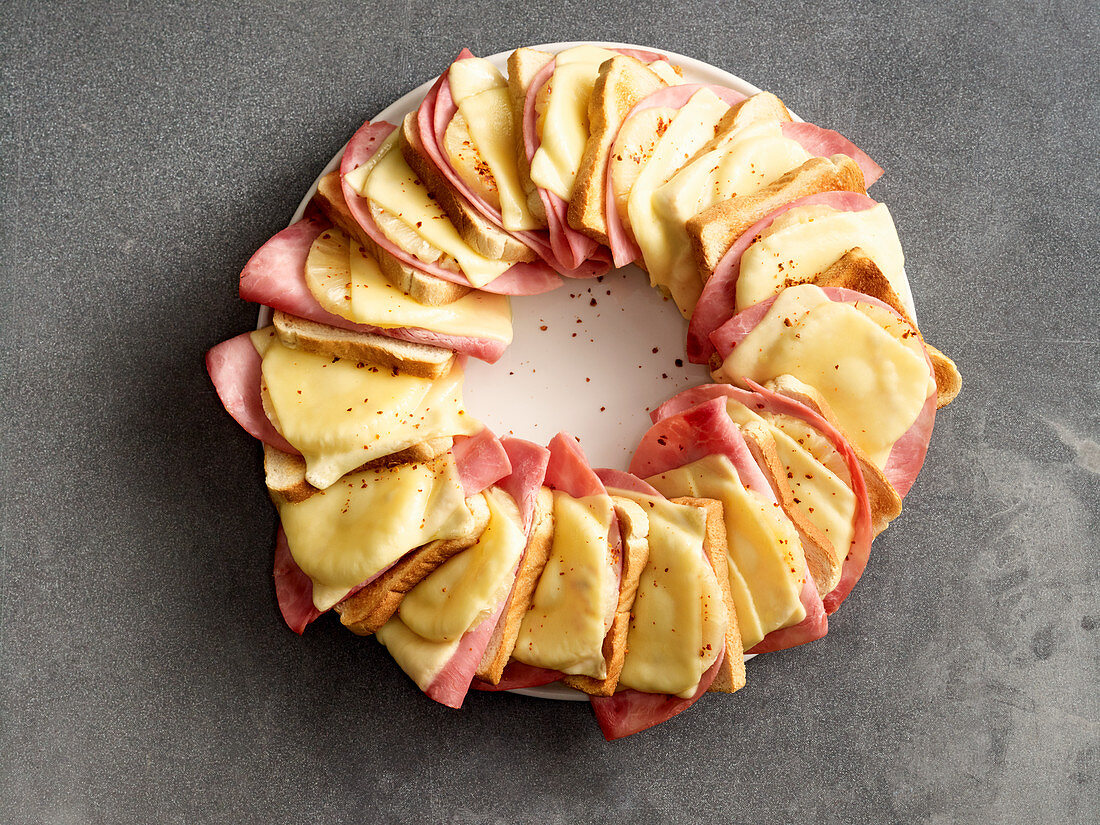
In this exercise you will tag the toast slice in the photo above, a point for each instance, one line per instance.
(857, 271)
(731, 673)
(476, 230)
(420, 286)
(503, 641)
(421, 360)
(370, 608)
(523, 65)
(634, 533)
(622, 83)
(713, 231)
(285, 473)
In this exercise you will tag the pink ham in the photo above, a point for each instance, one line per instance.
(631, 711)
(628, 482)
(814, 626)
(823, 143)
(761, 399)
(481, 460)
(568, 470)
(520, 279)
(717, 304)
(624, 250)
(528, 461)
(293, 588)
(452, 683)
(275, 277)
(234, 367)
(519, 675)
(703, 430)
(695, 434)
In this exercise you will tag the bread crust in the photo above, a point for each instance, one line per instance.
(523, 65)
(622, 82)
(731, 673)
(420, 286)
(713, 231)
(421, 360)
(370, 608)
(476, 230)
(634, 534)
(535, 556)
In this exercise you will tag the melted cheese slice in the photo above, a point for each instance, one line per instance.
(807, 240)
(633, 147)
(766, 565)
(357, 528)
(694, 125)
(466, 589)
(823, 496)
(561, 118)
(341, 414)
(869, 366)
(679, 619)
(427, 630)
(409, 216)
(743, 163)
(346, 280)
(575, 599)
(485, 112)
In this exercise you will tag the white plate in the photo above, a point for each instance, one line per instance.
(594, 370)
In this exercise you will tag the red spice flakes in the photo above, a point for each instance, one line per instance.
(679, 362)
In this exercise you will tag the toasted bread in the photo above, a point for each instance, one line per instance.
(713, 231)
(479, 232)
(503, 640)
(523, 65)
(374, 605)
(822, 558)
(634, 532)
(857, 271)
(420, 286)
(623, 82)
(285, 473)
(421, 360)
(731, 673)
(884, 501)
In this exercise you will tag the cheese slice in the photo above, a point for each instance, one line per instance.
(692, 127)
(340, 414)
(807, 240)
(633, 147)
(679, 619)
(823, 496)
(468, 587)
(575, 599)
(485, 113)
(347, 281)
(766, 564)
(427, 630)
(561, 112)
(868, 365)
(409, 216)
(743, 163)
(355, 529)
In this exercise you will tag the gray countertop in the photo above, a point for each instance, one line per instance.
(147, 676)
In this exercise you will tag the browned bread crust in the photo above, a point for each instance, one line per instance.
(374, 605)
(523, 65)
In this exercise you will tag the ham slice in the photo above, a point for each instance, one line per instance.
(519, 675)
(631, 711)
(623, 248)
(293, 588)
(528, 462)
(907, 455)
(568, 470)
(481, 460)
(626, 481)
(717, 303)
(761, 399)
(275, 277)
(452, 683)
(823, 143)
(234, 367)
(521, 279)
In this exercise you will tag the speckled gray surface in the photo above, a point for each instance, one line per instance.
(146, 674)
